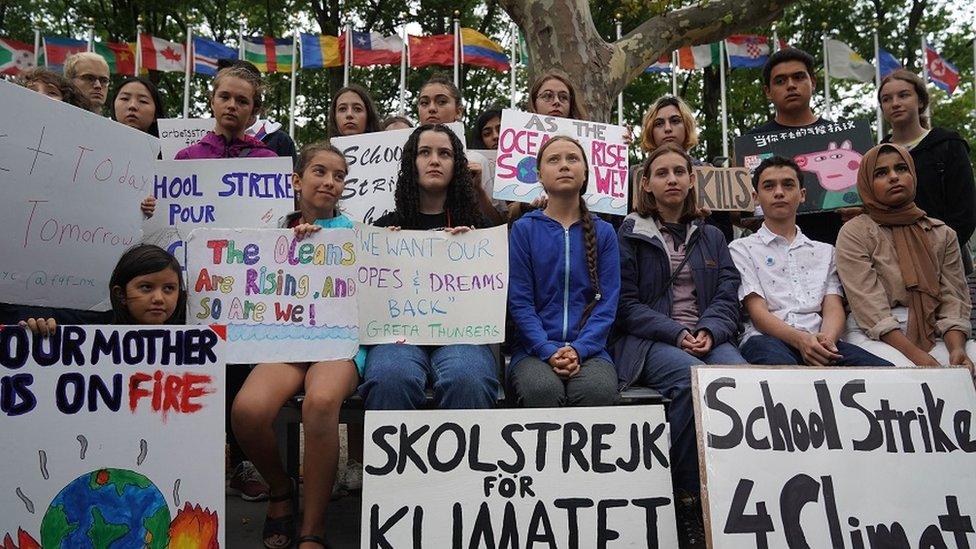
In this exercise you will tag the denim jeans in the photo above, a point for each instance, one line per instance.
(667, 370)
(764, 349)
(397, 376)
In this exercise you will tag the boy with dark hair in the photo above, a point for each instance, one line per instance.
(789, 83)
(790, 288)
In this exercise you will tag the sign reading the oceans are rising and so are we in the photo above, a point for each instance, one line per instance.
(431, 287)
(837, 457)
(522, 134)
(571, 478)
(374, 164)
(70, 187)
(112, 437)
(281, 298)
(217, 194)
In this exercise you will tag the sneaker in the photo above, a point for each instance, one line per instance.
(352, 480)
(691, 526)
(247, 483)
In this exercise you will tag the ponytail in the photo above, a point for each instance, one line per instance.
(589, 242)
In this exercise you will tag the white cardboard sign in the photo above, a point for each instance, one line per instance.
(570, 477)
(176, 134)
(836, 457)
(282, 299)
(113, 436)
(70, 187)
(431, 287)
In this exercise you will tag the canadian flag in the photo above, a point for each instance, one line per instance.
(162, 55)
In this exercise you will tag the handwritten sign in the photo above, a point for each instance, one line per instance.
(217, 194)
(724, 189)
(374, 164)
(176, 134)
(829, 155)
(431, 287)
(112, 436)
(522, 134)
(282, 299)
(836, 457)
(70, 186)
(572, 477)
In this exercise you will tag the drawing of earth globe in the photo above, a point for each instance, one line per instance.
(526, 170)
(107, 509)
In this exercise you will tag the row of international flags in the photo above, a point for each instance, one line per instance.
(269, 54)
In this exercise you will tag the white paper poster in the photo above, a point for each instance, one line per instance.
(837, 457)
(282, 299)
(70, 187)
(176, 134)
(523, 134)
(570, 477)
(113, 437)
(431, 287)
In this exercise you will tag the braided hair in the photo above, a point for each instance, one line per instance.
(460, 203)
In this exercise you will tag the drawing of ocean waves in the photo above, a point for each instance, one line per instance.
(275, 332)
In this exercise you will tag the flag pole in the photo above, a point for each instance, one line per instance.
(826, 74)
(725, 113)
(674, 73)
(620, 97)
(37, 47)
(347, 59)
(457, 49)
(240, 40)
(187, 71)
(294, 74)
(974, 75)
(775, 47)
(138, 48)
(925, 75)
(404, 60)
(513, 51)
(91, 35)
(877, 81)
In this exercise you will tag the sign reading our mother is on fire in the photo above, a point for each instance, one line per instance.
(523, 134)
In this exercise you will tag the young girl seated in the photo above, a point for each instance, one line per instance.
(564, 279)
(902, 270)
(318, 183)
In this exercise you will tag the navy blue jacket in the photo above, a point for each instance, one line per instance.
(645, 268)
(549, 286)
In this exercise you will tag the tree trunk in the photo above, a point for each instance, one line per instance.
(561, 34)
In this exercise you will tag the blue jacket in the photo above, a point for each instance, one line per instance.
(645, 268)
(549, 286)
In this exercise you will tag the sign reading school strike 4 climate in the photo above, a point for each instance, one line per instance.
(70, 186)
(431, 287)
(282, 299)
(837, 457)
(112, 436)
(374, 163)
(571, 478)
(522, 134)
(218, 194)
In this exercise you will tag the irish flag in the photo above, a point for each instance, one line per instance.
(121, 58)
(15, 56)
(269, 54)
(162, 55)
(698, 57)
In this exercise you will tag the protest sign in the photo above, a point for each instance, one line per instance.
(176, 134)
(724, 189)
(522, 134)
(282, 299)
(70, 187)
(823, 457)
(113, 436)
(231, 193)
(829, 155)
(569, 477)
(431, 287)
(374, 164)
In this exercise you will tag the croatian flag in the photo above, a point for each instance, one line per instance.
(942, 73)
(747, 50)
(372, 48)
(206, 54)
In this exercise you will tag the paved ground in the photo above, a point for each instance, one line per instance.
(244, 522)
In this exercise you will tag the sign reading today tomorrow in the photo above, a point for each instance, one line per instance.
(837, 457)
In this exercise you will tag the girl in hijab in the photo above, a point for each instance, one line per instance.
(903, 271)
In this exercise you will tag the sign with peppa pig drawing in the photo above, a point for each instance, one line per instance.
(523, 134)
(829, 153)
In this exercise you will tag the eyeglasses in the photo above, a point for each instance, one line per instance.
(549, 95)
(91, 79)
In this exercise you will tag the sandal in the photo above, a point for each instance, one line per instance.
(283, 526)
(313, 539)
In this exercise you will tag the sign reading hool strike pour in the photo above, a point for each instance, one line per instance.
(569, 478)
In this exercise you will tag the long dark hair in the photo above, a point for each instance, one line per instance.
(460, 204)
(372, 118)
(153, 92)
(476, 141)
(138, 261)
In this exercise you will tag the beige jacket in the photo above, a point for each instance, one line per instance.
(868, 268)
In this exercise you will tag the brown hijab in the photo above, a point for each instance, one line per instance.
(916, 259)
